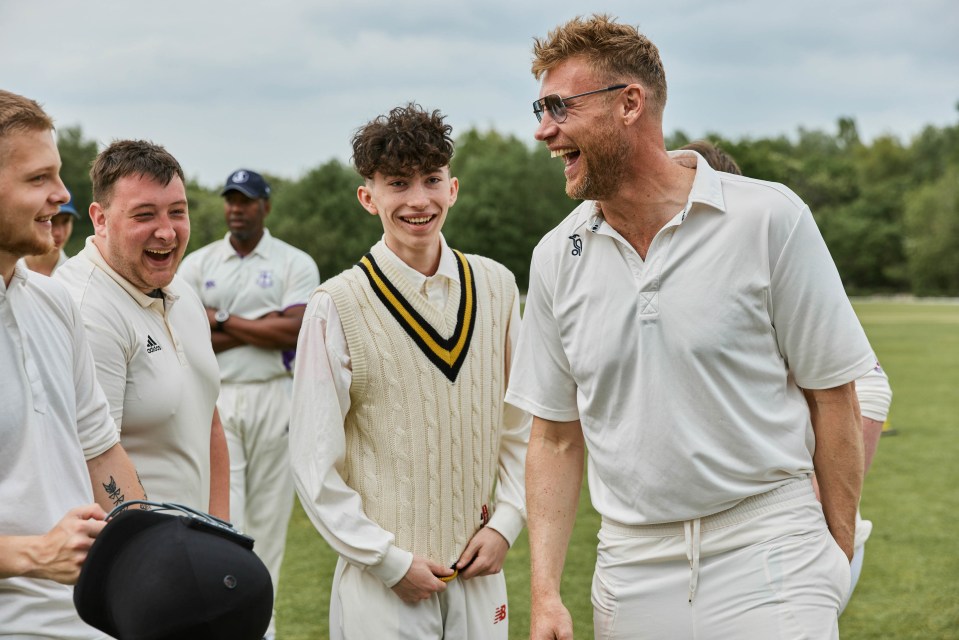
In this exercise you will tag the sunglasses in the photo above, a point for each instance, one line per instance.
(557, 105)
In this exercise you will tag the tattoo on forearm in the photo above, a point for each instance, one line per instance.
(113, 491)
(144, 507)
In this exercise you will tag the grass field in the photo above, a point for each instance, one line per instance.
(909, 588)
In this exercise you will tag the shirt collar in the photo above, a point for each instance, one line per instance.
(448, 267)
(92, 253)
(20, 275)
(707, 185)
(261, 249)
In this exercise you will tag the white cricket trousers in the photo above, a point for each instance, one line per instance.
(363, 608)
(767, 569)
(256, 420)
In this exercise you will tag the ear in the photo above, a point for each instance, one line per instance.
(98, 217)
(267, 207)
(633, 103)
(454, 190)
(365, 195)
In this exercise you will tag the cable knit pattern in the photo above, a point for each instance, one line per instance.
(423, 451)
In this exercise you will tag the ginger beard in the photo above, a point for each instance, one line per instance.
(603, 159)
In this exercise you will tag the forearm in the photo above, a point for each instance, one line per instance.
(114, 478)
(838, 460)
(267, 333)
(224, 341)
(15, 555)
(554, 474)
(219, 470)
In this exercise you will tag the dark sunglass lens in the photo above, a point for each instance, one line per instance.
(556, 107)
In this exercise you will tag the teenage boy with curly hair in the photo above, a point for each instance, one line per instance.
(405, 456)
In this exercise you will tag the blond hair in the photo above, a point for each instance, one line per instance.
(617, 52)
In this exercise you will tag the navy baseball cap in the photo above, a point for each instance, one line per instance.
(156, 576)
(249, 183)
(69, 208)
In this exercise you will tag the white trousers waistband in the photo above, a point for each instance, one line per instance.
(787, 510)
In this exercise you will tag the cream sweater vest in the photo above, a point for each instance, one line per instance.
(423, 430)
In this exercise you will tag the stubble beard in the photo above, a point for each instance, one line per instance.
(603, 176)
(29, 246)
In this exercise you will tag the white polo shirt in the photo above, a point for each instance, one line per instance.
(273, 277)
(53, 417)
(156, 364)
(686, 368)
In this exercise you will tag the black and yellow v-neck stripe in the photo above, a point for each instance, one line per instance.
(448, 354)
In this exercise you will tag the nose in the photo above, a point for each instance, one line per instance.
(417, 198)
(165, 230)
(60, 194)
(547, 127)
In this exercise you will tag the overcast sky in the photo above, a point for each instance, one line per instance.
(280, 86)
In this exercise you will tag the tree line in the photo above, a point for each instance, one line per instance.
(888, 210)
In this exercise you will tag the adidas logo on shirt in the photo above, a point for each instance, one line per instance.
(152, 345)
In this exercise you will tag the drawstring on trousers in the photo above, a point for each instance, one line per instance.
(692, 532)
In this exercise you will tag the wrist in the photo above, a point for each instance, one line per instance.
(220, 317)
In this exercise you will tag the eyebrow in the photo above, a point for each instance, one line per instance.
(140, 205)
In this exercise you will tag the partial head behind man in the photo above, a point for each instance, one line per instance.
(714, 156)
(140, 214)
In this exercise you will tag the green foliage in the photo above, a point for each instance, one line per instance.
(206, 215)
(76, 156)
(932, 235)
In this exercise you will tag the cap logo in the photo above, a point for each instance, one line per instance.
(240, 176)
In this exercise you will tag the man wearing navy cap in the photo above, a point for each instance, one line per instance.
(62, 229)
(255, 288)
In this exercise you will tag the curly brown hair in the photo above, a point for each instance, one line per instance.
(617, 52)
(131, 157)
(407, 141)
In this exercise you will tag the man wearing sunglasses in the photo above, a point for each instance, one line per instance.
(688, 330)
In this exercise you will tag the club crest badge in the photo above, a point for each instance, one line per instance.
(265, 279)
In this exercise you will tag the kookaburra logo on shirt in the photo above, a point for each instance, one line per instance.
(577, 244)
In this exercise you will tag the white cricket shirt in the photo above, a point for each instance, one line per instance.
(156, 364)
(54, 417)
(686, 368)
(273, 277)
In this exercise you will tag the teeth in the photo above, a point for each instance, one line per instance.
(161, 252)
(419, 220)
(559, 153)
